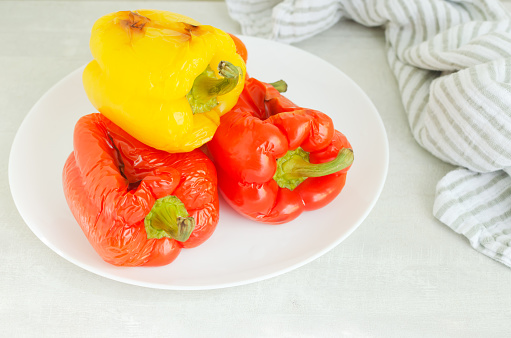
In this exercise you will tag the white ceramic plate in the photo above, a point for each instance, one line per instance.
(240, 251)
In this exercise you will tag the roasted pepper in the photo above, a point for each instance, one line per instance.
(275, 159)
(162, 77)
(135, 204)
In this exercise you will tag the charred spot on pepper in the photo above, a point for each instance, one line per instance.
(184, 31)
(191, 29)
(134, 22)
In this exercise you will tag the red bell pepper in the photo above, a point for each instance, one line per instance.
(135, 204)
(274, 159)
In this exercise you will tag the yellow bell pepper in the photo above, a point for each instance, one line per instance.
(162, 77)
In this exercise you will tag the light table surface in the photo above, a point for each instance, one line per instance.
(402, 273)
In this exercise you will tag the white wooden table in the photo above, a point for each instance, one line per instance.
(400, 274)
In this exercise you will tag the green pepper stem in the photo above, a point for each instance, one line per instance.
(294, 167)
(207, 86)
(298, 167)
(169, 218)
(280, 85)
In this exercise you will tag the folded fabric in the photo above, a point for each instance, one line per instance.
(452, 61)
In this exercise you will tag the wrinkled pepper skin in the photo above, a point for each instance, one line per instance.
(111, 182)
(262, 128)
(146, 63)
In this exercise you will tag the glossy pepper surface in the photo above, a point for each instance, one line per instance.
(162, 77)
(275, 159)
(137, 205)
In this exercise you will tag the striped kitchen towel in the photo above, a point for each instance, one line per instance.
(452, 61)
